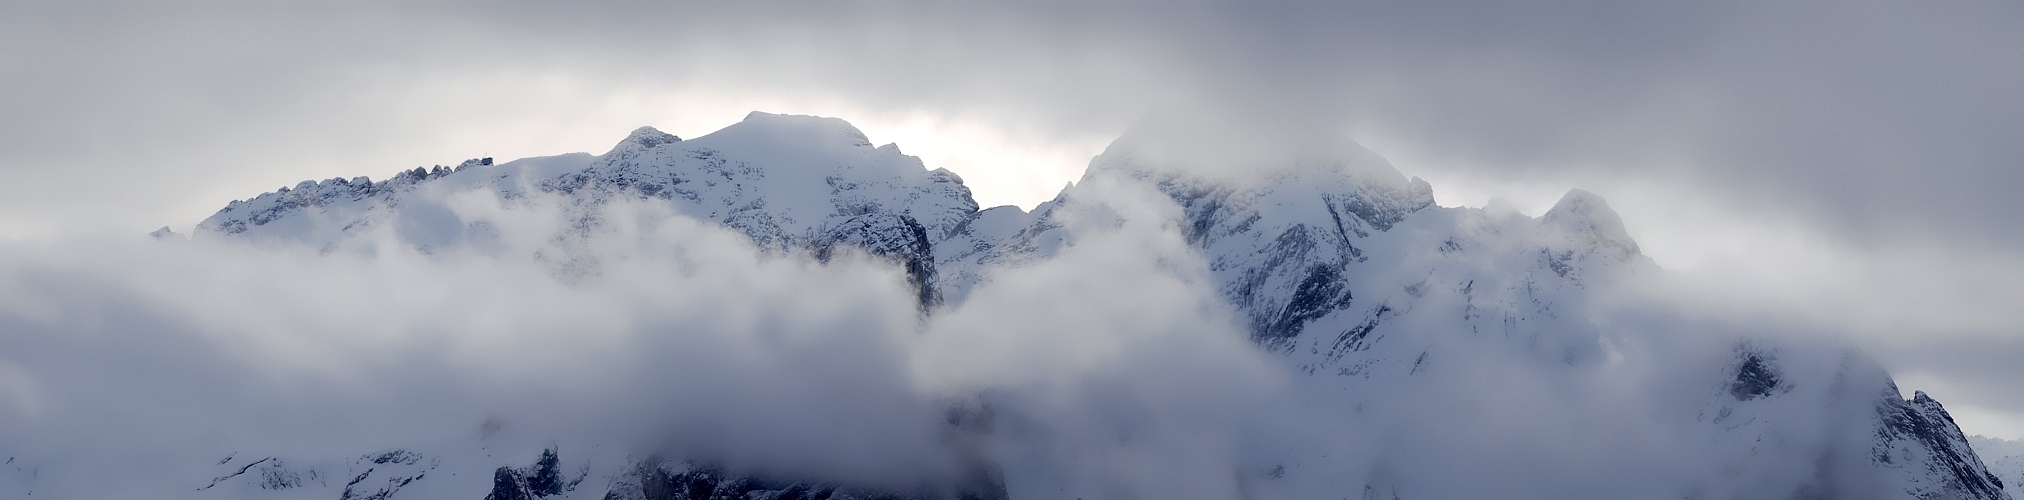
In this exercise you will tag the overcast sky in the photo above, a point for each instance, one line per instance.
(1847, 164)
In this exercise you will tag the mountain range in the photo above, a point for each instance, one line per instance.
(1442, 342)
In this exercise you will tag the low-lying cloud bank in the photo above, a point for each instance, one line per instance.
(1112, 369)
(1800, 142)
(132, 367)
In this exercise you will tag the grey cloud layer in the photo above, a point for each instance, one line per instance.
(1866, 117)
(1113, 369)
(1879, 124)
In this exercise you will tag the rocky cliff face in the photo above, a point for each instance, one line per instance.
(1337, 264)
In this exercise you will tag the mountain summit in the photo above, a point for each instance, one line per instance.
(642, 138)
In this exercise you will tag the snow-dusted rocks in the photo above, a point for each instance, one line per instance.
(1322, 248)
(788, 182)
(1865, 439)
(1375, 299)
(376, 475)
(657, 479)
(1919, 439)
(2005, 459)
(326, 213)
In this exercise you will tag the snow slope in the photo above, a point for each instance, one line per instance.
(2005, 458)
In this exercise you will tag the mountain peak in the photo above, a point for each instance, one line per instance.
(808, 129)
(1239, 146)
(1583, 213)
(644, 138)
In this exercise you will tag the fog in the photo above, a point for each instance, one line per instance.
(1812, 167)
(1763, 148)
(1110, 370)
(131, 365)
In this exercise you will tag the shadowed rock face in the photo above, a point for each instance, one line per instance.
(896, 238)
(652, 479)
(543, 479)
(1922, 423)
(1754, 379)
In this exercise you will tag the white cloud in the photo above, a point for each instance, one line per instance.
(1111, 369)
(1733, 138)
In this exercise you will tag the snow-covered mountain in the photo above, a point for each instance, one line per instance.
(1334, 262)
(787, 182)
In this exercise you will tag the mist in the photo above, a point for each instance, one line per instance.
(1781, 151)
(1839, 174)
(1109, 369)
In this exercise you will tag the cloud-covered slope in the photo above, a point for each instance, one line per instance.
(781, 310)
